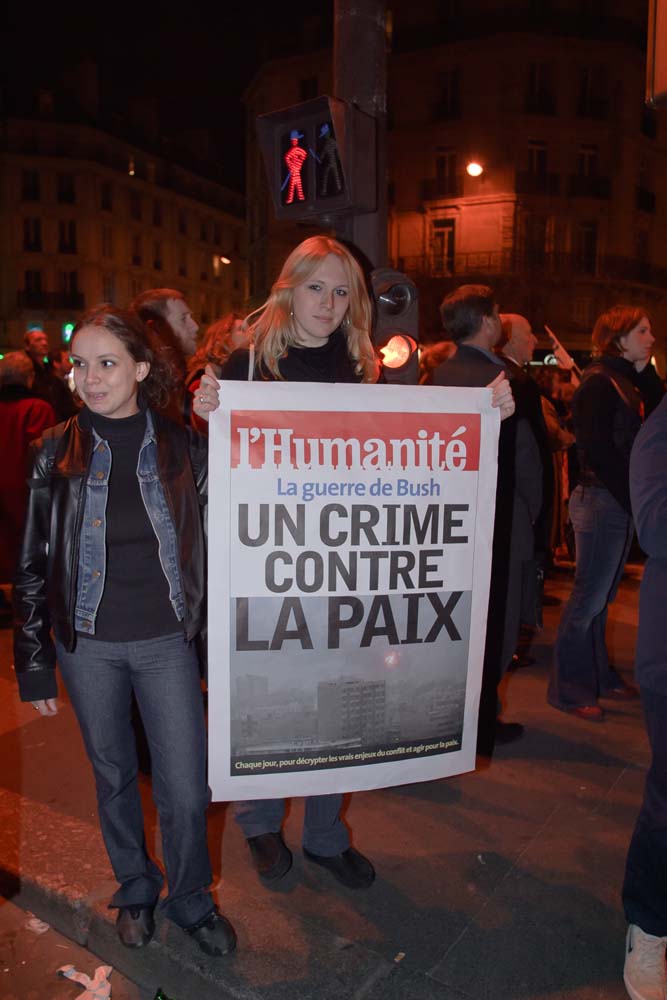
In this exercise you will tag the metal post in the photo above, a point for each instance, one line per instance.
(360, 76)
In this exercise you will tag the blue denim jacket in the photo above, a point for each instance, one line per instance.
(92, 546)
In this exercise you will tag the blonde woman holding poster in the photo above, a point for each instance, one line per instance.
(314, 327)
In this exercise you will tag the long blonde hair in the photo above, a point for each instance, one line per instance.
(274, 332)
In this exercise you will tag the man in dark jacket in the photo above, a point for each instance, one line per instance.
(645, 887)
(470, 317)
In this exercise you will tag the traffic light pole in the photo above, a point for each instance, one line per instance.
(360, 77)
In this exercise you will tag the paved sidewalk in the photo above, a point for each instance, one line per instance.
(499, 884)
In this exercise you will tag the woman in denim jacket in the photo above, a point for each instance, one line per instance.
(113, 560)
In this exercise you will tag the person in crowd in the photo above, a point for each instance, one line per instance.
(170, 319)
(48, 385)
(314, 327)
(219, 342)
(471, 319)
(645, 884)
(122, 585)
(23, 417)
(607, 413)
(516, 347)
(431, 356)
(59, 363)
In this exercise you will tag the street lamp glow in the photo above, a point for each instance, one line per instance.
(225, 260)
(474, 169)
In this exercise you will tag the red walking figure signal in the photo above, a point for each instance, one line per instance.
(294, 158)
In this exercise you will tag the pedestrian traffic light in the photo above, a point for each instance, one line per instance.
(320, 158)
(396, 325)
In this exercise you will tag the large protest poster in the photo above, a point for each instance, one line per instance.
(350, 532)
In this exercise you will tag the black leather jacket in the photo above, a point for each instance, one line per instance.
(45, 583)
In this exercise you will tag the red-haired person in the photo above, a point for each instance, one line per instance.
(607, 411)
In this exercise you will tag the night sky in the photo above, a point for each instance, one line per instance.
(197, 63)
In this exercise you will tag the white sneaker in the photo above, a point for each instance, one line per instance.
(645, 972)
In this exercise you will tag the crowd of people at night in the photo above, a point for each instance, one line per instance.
(104, 542)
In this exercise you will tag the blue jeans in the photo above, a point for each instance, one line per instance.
(164, 675)
(323, 830)
(603, 533)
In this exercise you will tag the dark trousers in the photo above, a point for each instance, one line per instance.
(323, 830)
(163, 673)
(645, 886)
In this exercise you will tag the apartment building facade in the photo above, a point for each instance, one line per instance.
(89, 216)
(568, 213)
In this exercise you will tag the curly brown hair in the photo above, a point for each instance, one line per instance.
(140, 344)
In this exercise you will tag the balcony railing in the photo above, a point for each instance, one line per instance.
(49, 300)
(540, 103)
(596, 108)
(589, 187)
(528, 182)
(432, 189)
(549, 266)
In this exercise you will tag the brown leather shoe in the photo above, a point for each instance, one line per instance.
(135, 925)
(589, 713)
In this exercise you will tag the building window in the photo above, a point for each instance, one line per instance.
(649, 123)
(587, 161)
(217, 234)
(30, 185)
(540, 91)
(135, 206)
(32, 235)
(203, 274)
(586, 247)
(443, 247)
(68, 282)
(307, 88)
(109, 287)
(183, 262)
(445, 172)
(66, 191)
(135, 249)
(67, 236)
(157, 213)
(107, 241)
(537, 158)
(203, 231)
(32, 281)
(449, 101)
(593, 100)
(157, 255)
(182, 223)
(106, 196)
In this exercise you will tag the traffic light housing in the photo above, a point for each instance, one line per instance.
(320, 158)
(396, 325)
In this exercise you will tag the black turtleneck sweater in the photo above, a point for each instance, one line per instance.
(135, 602)
(328, 363)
